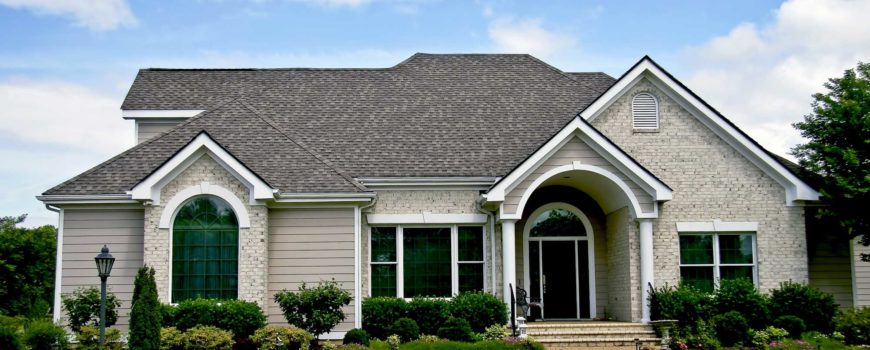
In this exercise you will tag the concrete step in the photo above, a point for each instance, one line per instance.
(600, 344)
(592, 335)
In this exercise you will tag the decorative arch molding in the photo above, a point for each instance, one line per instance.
(626, 192)
(204, 188)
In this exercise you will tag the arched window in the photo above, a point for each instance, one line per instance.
(205, 249)
(557, 222)
(645, 112)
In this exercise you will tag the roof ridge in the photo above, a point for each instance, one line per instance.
(560, 72)
(310, 151)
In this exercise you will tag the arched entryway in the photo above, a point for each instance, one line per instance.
(559, 262)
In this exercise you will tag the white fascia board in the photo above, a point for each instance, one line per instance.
(295, 198)
(149, 189)
(657, 189)
(425, 218)
(796, 189)
(159, 114)
(422, 183)
(87, 199)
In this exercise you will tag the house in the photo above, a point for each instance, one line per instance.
(442, 174)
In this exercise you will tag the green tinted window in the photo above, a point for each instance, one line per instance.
(384, 280)
(735, 249)
(383, 244)
(426, 258)
(696, 249)
(557, 223)
(205, 245)
(470, 243)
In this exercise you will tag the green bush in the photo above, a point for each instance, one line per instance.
(702, 337)
(740, 295)
(494, 332)
(167, 315)
(816, 308)
(145, 315)
(89, 338)
(11, 338)
(207, 338)
(379, 313)
(792, 324)
(429, 313)
(293, 338)
(44, 334)
(854, 324)
(83, 308)
(240, 317)
(171, 339)
(480, 309)
(761, 338)
(731, 328)
(356, 336)
(406, 329)
(685, 303)
(456, 329)
(316, 310)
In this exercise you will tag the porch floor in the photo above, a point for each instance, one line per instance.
(593, 335)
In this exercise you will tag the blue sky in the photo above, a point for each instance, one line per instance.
(65, 65)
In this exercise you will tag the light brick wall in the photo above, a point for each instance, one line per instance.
(253, 241)
(711, 180)
(622, 265)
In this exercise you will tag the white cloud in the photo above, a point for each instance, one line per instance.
(762, 76)
(336, 3)
(527, 36)
(92, 14)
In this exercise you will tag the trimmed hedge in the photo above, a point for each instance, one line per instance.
(207, 338)
(456, 329)
(731, 328)
(44, 334)
(480, 310)
(741, 296)
(406, 329)
(817, 309)
(430, 314)
(356, 336)
(378, 315)
(239, 317)
(791, 324)
(292, 337)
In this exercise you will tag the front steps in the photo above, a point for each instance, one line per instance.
(593, 335)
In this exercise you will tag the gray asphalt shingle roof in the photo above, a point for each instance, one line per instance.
(310, 130)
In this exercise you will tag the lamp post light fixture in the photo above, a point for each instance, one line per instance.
(104, 268)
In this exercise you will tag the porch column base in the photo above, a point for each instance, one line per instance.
(509, 269)
(646, 266)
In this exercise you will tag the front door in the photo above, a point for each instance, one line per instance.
(558, 265)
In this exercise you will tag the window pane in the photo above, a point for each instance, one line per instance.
(383, 244)
(735, 249)
(383, 280)
(558, 223)
(698, 277)
(470, 244)
(735, 272)
(427, 262)
(696, 249)
(471, 277)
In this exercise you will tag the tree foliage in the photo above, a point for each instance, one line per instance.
(83, 308)
(838, 150)
(316, 310)
(27, 257)
(145, 315)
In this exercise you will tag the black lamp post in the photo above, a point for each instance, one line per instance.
(104, 267)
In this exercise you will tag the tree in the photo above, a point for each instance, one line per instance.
(27, 258)
(316, 310)
(145, 315)
(838, 150)
(83, 308)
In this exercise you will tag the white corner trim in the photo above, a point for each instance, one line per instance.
(718, 226)
(796, 189)
(655, 187)
(159, 114)
(425, 218)
(58, 269)
(204, 188)
(149, 189)
(357, 256)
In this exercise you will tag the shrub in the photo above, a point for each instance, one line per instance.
(429, 338)
(685, 303)
(145, 315)
(429, 313)
(731, 328)
(393, 342)
(406, 329)
(83, 308)
(44, 335)
(167, 315)
(379, 313)
(352, 346)
(11, 338)
(740, 295)
(171, 339)
(89, 338)
(240, 317)
(292, 337)
(792, 324)
(761, 338)
(356, 336)
(494, 332)
(854, 324)
(703, 337)
(480, 309)
(207, 338)
(456, 329)
(816, 308)
(317, 309)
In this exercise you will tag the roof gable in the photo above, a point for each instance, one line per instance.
(796, 188)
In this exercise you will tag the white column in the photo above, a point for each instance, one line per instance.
(646, 265)
(509, 268)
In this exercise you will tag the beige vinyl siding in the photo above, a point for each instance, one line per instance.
(862, 276)
(84, 233)
(310, 245)
(146, 129)
(830, 270)
(573, 150)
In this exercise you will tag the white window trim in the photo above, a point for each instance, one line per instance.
(717, 264)
(400, 255)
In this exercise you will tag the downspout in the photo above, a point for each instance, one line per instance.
(58, 263)
(491, 219)
(358, 297)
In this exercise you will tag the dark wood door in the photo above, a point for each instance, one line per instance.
(559, 278)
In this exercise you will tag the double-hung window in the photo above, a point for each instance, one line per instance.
(424, 261)
(708, 257)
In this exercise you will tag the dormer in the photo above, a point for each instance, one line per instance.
(150, 123)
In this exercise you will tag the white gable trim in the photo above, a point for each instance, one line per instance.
(149, 189)
(425, 218)
(166, 217)
(653, 186)
(796, 189)
(159, 114)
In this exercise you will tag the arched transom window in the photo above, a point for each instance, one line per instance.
(205, 249)
(557, 223)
